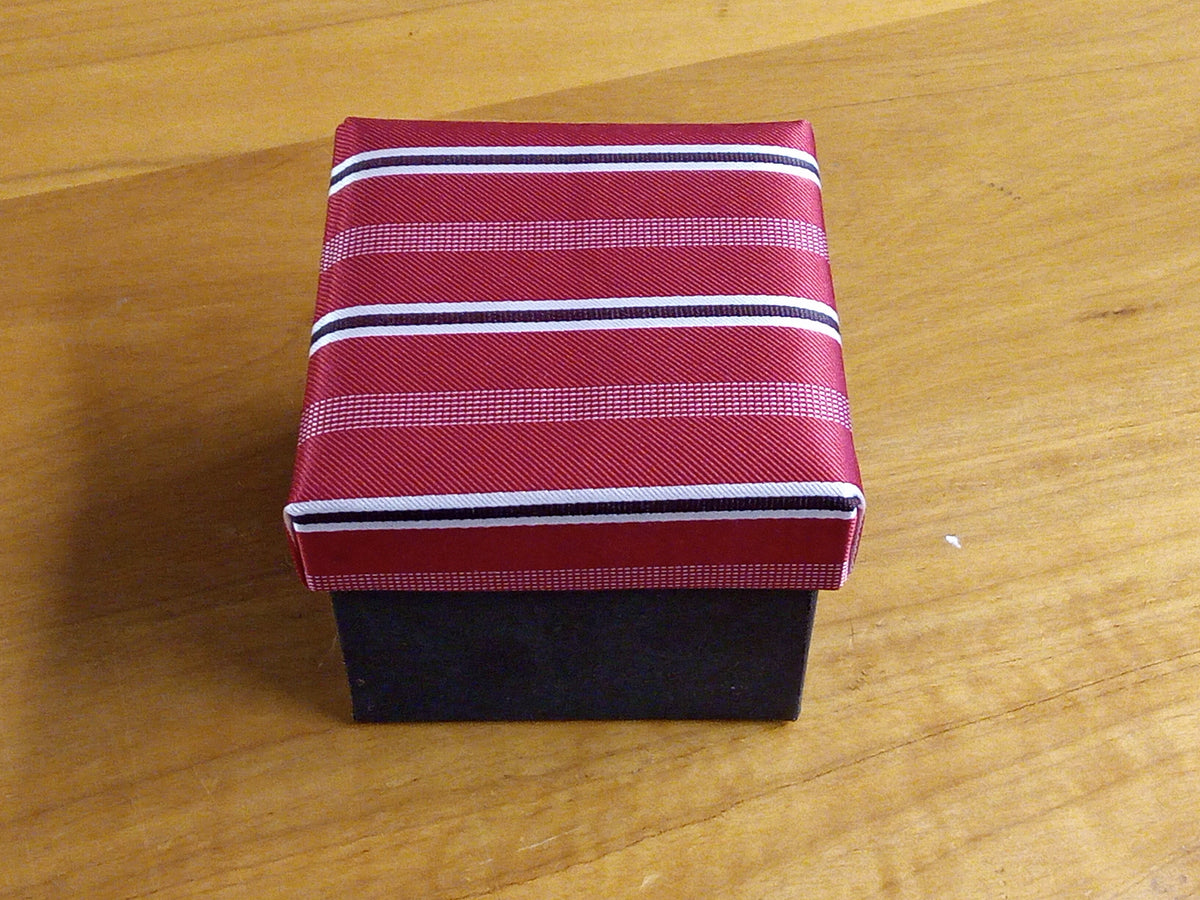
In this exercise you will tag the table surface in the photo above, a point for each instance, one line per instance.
(1004, 701)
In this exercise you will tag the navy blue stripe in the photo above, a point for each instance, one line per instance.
(582, 158)
(629, 507)
(614, 314)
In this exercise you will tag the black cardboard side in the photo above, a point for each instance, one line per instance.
(549, 655)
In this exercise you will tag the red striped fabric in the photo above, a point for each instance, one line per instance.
(574, 357)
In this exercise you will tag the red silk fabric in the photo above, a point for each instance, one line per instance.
(574, 357)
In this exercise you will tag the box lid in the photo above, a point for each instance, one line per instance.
(574, 357)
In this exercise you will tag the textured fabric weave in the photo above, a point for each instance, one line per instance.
(574, 357)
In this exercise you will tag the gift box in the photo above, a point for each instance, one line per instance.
(575, 439)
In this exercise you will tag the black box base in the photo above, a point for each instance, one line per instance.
(551, 655)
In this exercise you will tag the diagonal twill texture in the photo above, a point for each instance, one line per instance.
(581, 357)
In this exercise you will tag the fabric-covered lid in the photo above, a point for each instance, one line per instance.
(574, 357)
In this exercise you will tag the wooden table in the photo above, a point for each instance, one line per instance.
(1003, 702)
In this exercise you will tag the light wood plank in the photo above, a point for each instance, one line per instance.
(113, 91)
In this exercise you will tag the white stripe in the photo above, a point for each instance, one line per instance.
(563, 168)
(420, 502)
(472, 306)
(589, 325)
(543, 150)
(580, 520)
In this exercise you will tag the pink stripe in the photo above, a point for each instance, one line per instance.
(802, 576)
(588, 234)
(572, 404)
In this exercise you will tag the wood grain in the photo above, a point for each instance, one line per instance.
(1013, 200)
(91, 91)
